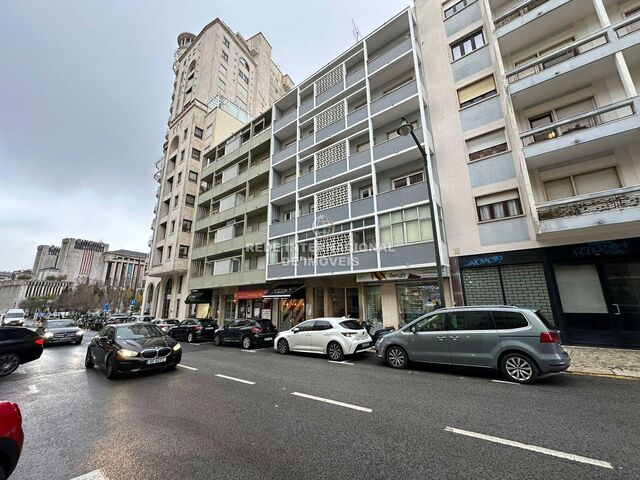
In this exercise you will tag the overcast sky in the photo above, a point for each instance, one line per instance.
(84, 99)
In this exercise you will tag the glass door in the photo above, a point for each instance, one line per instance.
(622, 287)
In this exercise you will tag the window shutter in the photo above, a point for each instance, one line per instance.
(487, 140)
(599, 181)
(476, 89)
(497, 197)
(557, 189)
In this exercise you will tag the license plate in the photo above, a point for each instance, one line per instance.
(156, 360)
(367, 345)
(268, 339)
(208, 328)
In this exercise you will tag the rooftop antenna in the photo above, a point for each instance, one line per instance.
(356, 33)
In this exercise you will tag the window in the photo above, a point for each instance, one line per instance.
(406, 226)
(179, 178)
(477, 91)
(282, 250)
(169, 249)
(467, 45)
(397, 84)
(499, 205)
(361, 147)
(582, 184)
(288, 215)
(173, 226)
(225, 56)
(235, 264)
(407, 180)
(323, 325)
(244, 63)
(183, 251)
(364, 239)
(509, 320)
(225, 41)
(195, 154)
(366, 192)
(433, 323)
(182, 155)
(487, 144)
(306, 326)
(175, 201)
(193, 176)
(186, 225)
(561, 113)
(198, 132)
(470, 321)
(190, 200)
(243, 76)
(454, 6)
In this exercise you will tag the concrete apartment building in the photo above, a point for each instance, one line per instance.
(222, 81)
(536, 129)
(227, 272)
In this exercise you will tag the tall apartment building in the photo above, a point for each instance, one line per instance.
(349, 229)
(536, 130)
(222, 80)
(227, 273)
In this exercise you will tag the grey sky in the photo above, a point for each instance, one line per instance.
(84, 98)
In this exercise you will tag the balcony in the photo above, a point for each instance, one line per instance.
(283, 189)
(600, 209)
(389, 55)
(601, 129)
(285, 119)
(282, 228)
(248, 277)
(283, 154)
(230, 213)
(234, 244)
(306, 107)
(396, 145)
(355, 76)
(402, 196)
(393, 98)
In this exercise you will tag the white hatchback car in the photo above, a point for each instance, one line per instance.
(335, 337)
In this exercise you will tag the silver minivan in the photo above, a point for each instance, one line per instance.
(518, 341)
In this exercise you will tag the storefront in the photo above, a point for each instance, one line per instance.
(251, 304)
(590, 290)
(287, 305)
(199, 304)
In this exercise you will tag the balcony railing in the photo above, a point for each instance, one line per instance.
(609, 200)
(593, 118)
(628, 26)
(517, 12)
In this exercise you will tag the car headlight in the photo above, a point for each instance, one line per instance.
(176, 347)
(79, 333)
(123, 352)
(48, 335)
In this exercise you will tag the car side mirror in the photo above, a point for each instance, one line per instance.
(413, 330)
(295, 330)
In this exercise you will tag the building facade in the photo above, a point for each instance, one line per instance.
(13, 292)
(222, 81)
(536, 128)
(349, 229)
(77, 260)
(124, 269)
(227, 272)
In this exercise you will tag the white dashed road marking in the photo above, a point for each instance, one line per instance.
(94, 475)
(341, 363)
(187, 367)
(235, 379)
(533, 448)
(505, 381)
(332, 402)
(248, 351)
(32, 390)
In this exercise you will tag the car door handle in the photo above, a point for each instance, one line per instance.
(617, 312)
(441, 337)
(454, 337)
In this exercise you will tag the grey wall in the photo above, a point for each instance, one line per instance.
(491, 170)
(504, 231)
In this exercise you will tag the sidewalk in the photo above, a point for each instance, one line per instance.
(605, 361)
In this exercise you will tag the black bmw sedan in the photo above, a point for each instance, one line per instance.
(132, 347)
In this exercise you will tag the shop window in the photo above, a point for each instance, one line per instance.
(414, 300)
(499, 205)
(467, 45)
(582, 184)
(580, 289)
(487, 144)
(477, 91)
(373, 305)
(406, 226)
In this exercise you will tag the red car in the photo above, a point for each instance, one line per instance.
(11, 437)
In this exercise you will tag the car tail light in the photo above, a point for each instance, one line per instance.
(549, 337)
(349, 334)
(199, 327)
(255, 329)
(39, 341)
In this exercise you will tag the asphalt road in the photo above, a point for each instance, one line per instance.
(422, 423)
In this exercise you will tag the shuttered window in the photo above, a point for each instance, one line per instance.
(582, 184)
(487, 144)
(477, 91)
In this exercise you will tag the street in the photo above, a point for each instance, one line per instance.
(229, 413)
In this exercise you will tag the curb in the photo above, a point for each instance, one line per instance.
(606, 372)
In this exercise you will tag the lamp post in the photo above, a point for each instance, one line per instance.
(407, 129)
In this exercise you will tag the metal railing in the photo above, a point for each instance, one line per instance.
(619, 199)
(517, 12)
(593, 118)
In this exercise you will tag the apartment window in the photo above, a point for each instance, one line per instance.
(183, 251)
(182, 155)
(499, 205)
(175, 201)
(225, 41)
(244, 63)
(222, 71)
(225, 56)
(561, 113)
(407, 180)
(209, 131)
(169, 249)
(361, 147)
(406, 226)
(195, 154)
(477, 91)
(243, 76)
(487, 144)
(198, 132)
(173, 226)
(467, 45)
(582, 184)
(281, 250)
(366, 192)
(186, 225)
(190, 200)
(454, 6)
(288, 215)
(185, 134)
(179, 178)
(397, 84)
(235, 264)
(193, 176)
(364, 239)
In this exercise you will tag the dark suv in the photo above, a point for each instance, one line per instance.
(18, 345)
(247, 333)
(194, 329)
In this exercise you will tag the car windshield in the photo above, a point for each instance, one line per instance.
(61, 324)
(14, 315)
(351, 325)
(138, 331)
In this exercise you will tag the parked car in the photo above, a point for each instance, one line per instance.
(18, 345)
(11, 437)
(166, 324)
(94, 323)
(14, 317)
(60, 331)
(518, 341)
(335, 337)
(132, 347)
(247, 333)
(142, 318)
(118, 318)
(194, 329)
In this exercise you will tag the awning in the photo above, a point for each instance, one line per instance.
(199, 296)
(285, 292)
(249, 294)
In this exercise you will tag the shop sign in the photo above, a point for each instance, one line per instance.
(595, 249)
(483, 261)
(248, 294)
(391, 276)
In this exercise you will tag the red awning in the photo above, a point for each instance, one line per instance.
(248, 294)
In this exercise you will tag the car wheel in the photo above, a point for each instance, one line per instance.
(9, 362)
(396, 357)
(217, 340)
(335, 352)
(191, 337)
(110, 369)
(246, 343)
(519, 368)
(88, 360)
(283, 346)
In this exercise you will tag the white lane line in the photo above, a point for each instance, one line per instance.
(248, 351)
(94, 475)
(32, 389)
(332, 402)
(235, 379)
(505, 381)
(187, 367)
(344, 362)
(196, 344)
(533, 448)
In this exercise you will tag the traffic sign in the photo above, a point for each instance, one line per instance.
(133, 302)
(105, 307)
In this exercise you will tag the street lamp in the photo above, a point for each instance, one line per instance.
(404, 130)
